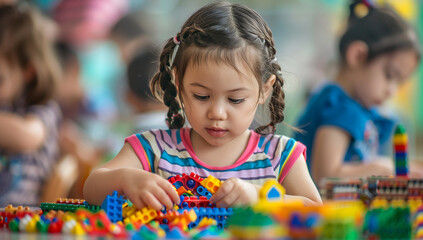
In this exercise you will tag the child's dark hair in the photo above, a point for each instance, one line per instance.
(140, 71)
(220, 32)
(24, 42)
(380, 28)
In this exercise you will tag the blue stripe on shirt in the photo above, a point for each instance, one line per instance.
(189, 162)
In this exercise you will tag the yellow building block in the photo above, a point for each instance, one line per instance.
(400, 139)
(211, 183)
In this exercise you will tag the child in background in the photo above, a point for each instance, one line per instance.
(148, 112)
(29, 120)
(215, 71)
(342, 128)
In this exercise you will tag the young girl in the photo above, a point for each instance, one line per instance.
(343, 131)
(28, 119)
(215, 71)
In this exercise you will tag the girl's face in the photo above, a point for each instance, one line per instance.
(219, 101)
(380, 79)
(11, 82)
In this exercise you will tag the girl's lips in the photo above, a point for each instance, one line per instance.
(216, 132)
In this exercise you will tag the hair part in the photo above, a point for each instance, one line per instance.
(382, 30)
(24, 42)
(224, 33)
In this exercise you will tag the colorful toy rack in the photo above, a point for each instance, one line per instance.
(372, 187)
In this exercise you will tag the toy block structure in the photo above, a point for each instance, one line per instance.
(112, 205)
(400, 141)
(341, 189)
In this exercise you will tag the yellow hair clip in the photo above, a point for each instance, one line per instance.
(361, 10)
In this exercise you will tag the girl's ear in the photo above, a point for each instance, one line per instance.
(267, 89)
(357, 53)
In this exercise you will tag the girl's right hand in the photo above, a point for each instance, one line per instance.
(148, 189)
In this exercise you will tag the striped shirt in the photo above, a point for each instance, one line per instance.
(170, 152)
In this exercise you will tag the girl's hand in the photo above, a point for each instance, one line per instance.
(148, 189)
(235, 191)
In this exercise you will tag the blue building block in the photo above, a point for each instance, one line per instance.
(112, 205)
(218, 214)
(204, 192)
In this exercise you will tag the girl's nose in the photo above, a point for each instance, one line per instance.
(217, 111)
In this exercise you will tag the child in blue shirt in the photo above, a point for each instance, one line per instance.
(342, 128)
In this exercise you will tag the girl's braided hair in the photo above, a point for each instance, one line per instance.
(220, 32)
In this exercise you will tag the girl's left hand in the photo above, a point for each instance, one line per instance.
(234, 191)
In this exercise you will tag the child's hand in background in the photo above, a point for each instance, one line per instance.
(235, 191)
(148, 189)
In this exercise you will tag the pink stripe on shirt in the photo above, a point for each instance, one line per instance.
(299, 149)
(138, 148)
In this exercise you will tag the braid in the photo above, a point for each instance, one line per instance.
(277, 101)
(164, 90)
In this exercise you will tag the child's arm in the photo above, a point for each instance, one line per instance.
(21, 133)
(299, 185)
(125, 174)
(329, 148)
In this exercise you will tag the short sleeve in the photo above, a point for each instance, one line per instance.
(143, 149)
(341, 111)
(292, 151)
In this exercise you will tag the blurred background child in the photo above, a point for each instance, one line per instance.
(29, 120)
(148, 112)
(343, 129)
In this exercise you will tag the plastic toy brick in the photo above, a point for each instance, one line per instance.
(145, 215)
(248, 224)
(218, 214)
(211, 183)
(181, 190)
(177, 181)
(192, 181)
(202, 191)
(272, 191)
(181, 220)
(113, 206)
(206, 222)
(59, 206)
(14, 225)
(70, 201)
(195, 201)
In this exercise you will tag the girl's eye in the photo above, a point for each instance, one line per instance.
(201, 98)
(236, 101)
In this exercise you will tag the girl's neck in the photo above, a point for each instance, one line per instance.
(223, 155)
(345, 79)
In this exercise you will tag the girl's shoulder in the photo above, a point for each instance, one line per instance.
(272, 142)
(163, 137)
